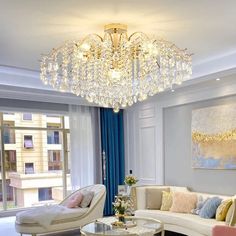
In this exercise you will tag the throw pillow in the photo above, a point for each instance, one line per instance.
(75, 200)
(200, 203)
(87, 198)
(231, 214)
(166, 201)
(183, 202)
(209, 209)
(154, 197)
(222, 210)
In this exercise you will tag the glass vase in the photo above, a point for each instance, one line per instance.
(128, 191)
(121, 218)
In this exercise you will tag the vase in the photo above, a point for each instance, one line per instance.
(121, 218)
(128, 191)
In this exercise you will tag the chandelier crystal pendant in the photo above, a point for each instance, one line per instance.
(116, 70)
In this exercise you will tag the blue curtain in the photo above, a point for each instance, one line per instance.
(112, 141)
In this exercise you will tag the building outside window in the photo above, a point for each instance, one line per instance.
(53, 137)
(35, 154)
(27, 116)
(9, 136)
(10, 160)
(44, 194)
(9, 190)
(54, 160)
(28, 141)
(29, 168)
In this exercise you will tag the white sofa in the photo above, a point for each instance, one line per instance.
(69, 219)
(187, 224)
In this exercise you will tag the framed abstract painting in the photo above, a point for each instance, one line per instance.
(214, 137)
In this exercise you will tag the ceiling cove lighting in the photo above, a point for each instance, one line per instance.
(116, 70)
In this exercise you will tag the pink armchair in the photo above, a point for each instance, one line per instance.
(221, 230)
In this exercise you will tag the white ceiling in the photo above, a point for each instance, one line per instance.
(207, 28)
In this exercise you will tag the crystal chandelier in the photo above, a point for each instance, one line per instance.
(116, 70)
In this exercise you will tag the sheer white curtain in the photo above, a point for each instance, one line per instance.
(85, 146)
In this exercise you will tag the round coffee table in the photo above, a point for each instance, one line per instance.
(135, 226)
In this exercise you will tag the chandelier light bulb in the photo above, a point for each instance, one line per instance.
(116, 70)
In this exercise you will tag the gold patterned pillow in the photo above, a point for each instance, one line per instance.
(231, 214)
(222, 210)
(166, 201)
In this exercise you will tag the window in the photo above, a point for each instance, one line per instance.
(54, 160)
(32, 167)
(9, 190)
(27, 116)
(53, 137)
(10, 160)
(29, 168)
(45, 194)
(28, 141)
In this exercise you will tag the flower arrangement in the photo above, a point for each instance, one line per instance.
(130, 180)
(120, 205)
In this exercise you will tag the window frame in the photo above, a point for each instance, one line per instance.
(29, 135)
(26, 113)
(49, 190)
(5, 211)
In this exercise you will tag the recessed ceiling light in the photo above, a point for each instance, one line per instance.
(217, 79)
(172, 90)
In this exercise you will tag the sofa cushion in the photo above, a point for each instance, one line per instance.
(183, 202)
(222, 210)
(87, 198)
(30, 216)
(154, 197)
(200, 203)
(209, 209)
(166, 201)
(74, 200)
(188, 221)
(230, 213)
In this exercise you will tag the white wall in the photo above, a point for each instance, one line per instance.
(144, 126)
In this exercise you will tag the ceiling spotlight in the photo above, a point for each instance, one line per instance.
(217, 79)
(172, 90)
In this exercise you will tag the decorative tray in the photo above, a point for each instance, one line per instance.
(118, 224)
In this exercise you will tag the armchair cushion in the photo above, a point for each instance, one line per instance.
(87, 198)
(221, 230)
(75, 200)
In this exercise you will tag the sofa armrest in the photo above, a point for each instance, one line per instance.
(233, 217)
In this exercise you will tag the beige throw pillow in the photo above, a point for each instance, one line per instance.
(183, 202)
(166, 201)
(154, 197)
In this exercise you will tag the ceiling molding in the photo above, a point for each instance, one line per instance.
(18, 83)
(214, 65)
(10, 70)
(22, 77)
(31, 94)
